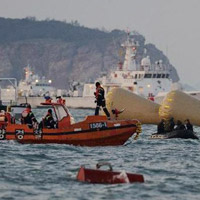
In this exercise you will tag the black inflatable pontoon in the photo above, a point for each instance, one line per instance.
(184, 134)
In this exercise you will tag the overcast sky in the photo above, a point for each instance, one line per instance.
(172, 25)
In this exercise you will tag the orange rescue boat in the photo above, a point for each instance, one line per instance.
(93, 131)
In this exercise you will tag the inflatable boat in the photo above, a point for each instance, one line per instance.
(107, 176)
(93, 131)
(184, 134)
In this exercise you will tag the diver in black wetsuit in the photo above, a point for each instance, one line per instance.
(169, 125)
(161, 126)
(180, 126)
(188, 125)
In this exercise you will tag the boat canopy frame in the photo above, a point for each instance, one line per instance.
(59, 113)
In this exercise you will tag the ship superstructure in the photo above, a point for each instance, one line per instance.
(143, 78)
(34, 85)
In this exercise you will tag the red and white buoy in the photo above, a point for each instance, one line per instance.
(107, 177)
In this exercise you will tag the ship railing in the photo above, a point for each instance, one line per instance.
(153, 67)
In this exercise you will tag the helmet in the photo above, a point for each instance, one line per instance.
(50, 111)
(28, 106)
(97, 84)
(47, 97)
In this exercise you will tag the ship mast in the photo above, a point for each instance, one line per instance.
(28, 74)
(130, 54)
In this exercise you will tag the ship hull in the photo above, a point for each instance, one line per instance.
(108, 133)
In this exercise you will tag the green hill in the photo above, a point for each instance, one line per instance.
(64, 51)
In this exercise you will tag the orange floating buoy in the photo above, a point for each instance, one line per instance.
(107, 177)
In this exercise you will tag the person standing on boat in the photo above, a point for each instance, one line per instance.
(28, 117)
(60, 100)
(188, 125)
(100, 100)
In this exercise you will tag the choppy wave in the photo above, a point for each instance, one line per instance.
(170, 168)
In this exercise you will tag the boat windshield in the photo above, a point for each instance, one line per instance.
(60, 112)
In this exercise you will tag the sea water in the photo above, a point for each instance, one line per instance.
(171, 168)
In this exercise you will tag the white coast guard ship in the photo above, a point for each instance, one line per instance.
(33, 85)
(144, 79)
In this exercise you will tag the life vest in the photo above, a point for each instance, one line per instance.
(9, 117)
(61, 101)
(2, 117)
(116, 112)
(25, 113)
(99, 93)
(96, 93)
(48, 101)
(151, 98)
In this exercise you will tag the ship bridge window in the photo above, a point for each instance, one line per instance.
(154, 75)
(147, 75)
(159, 76)
(163, 75)
(167, 75)
(135, 75)
(42, 84)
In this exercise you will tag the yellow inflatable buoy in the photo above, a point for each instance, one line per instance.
(181, 106)
(132, 106)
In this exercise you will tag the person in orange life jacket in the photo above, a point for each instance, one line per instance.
(48, 121)
(3, 119)
(48, 99)
(60, 100)
(28, 117)
(100, 100)
(3, 116)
